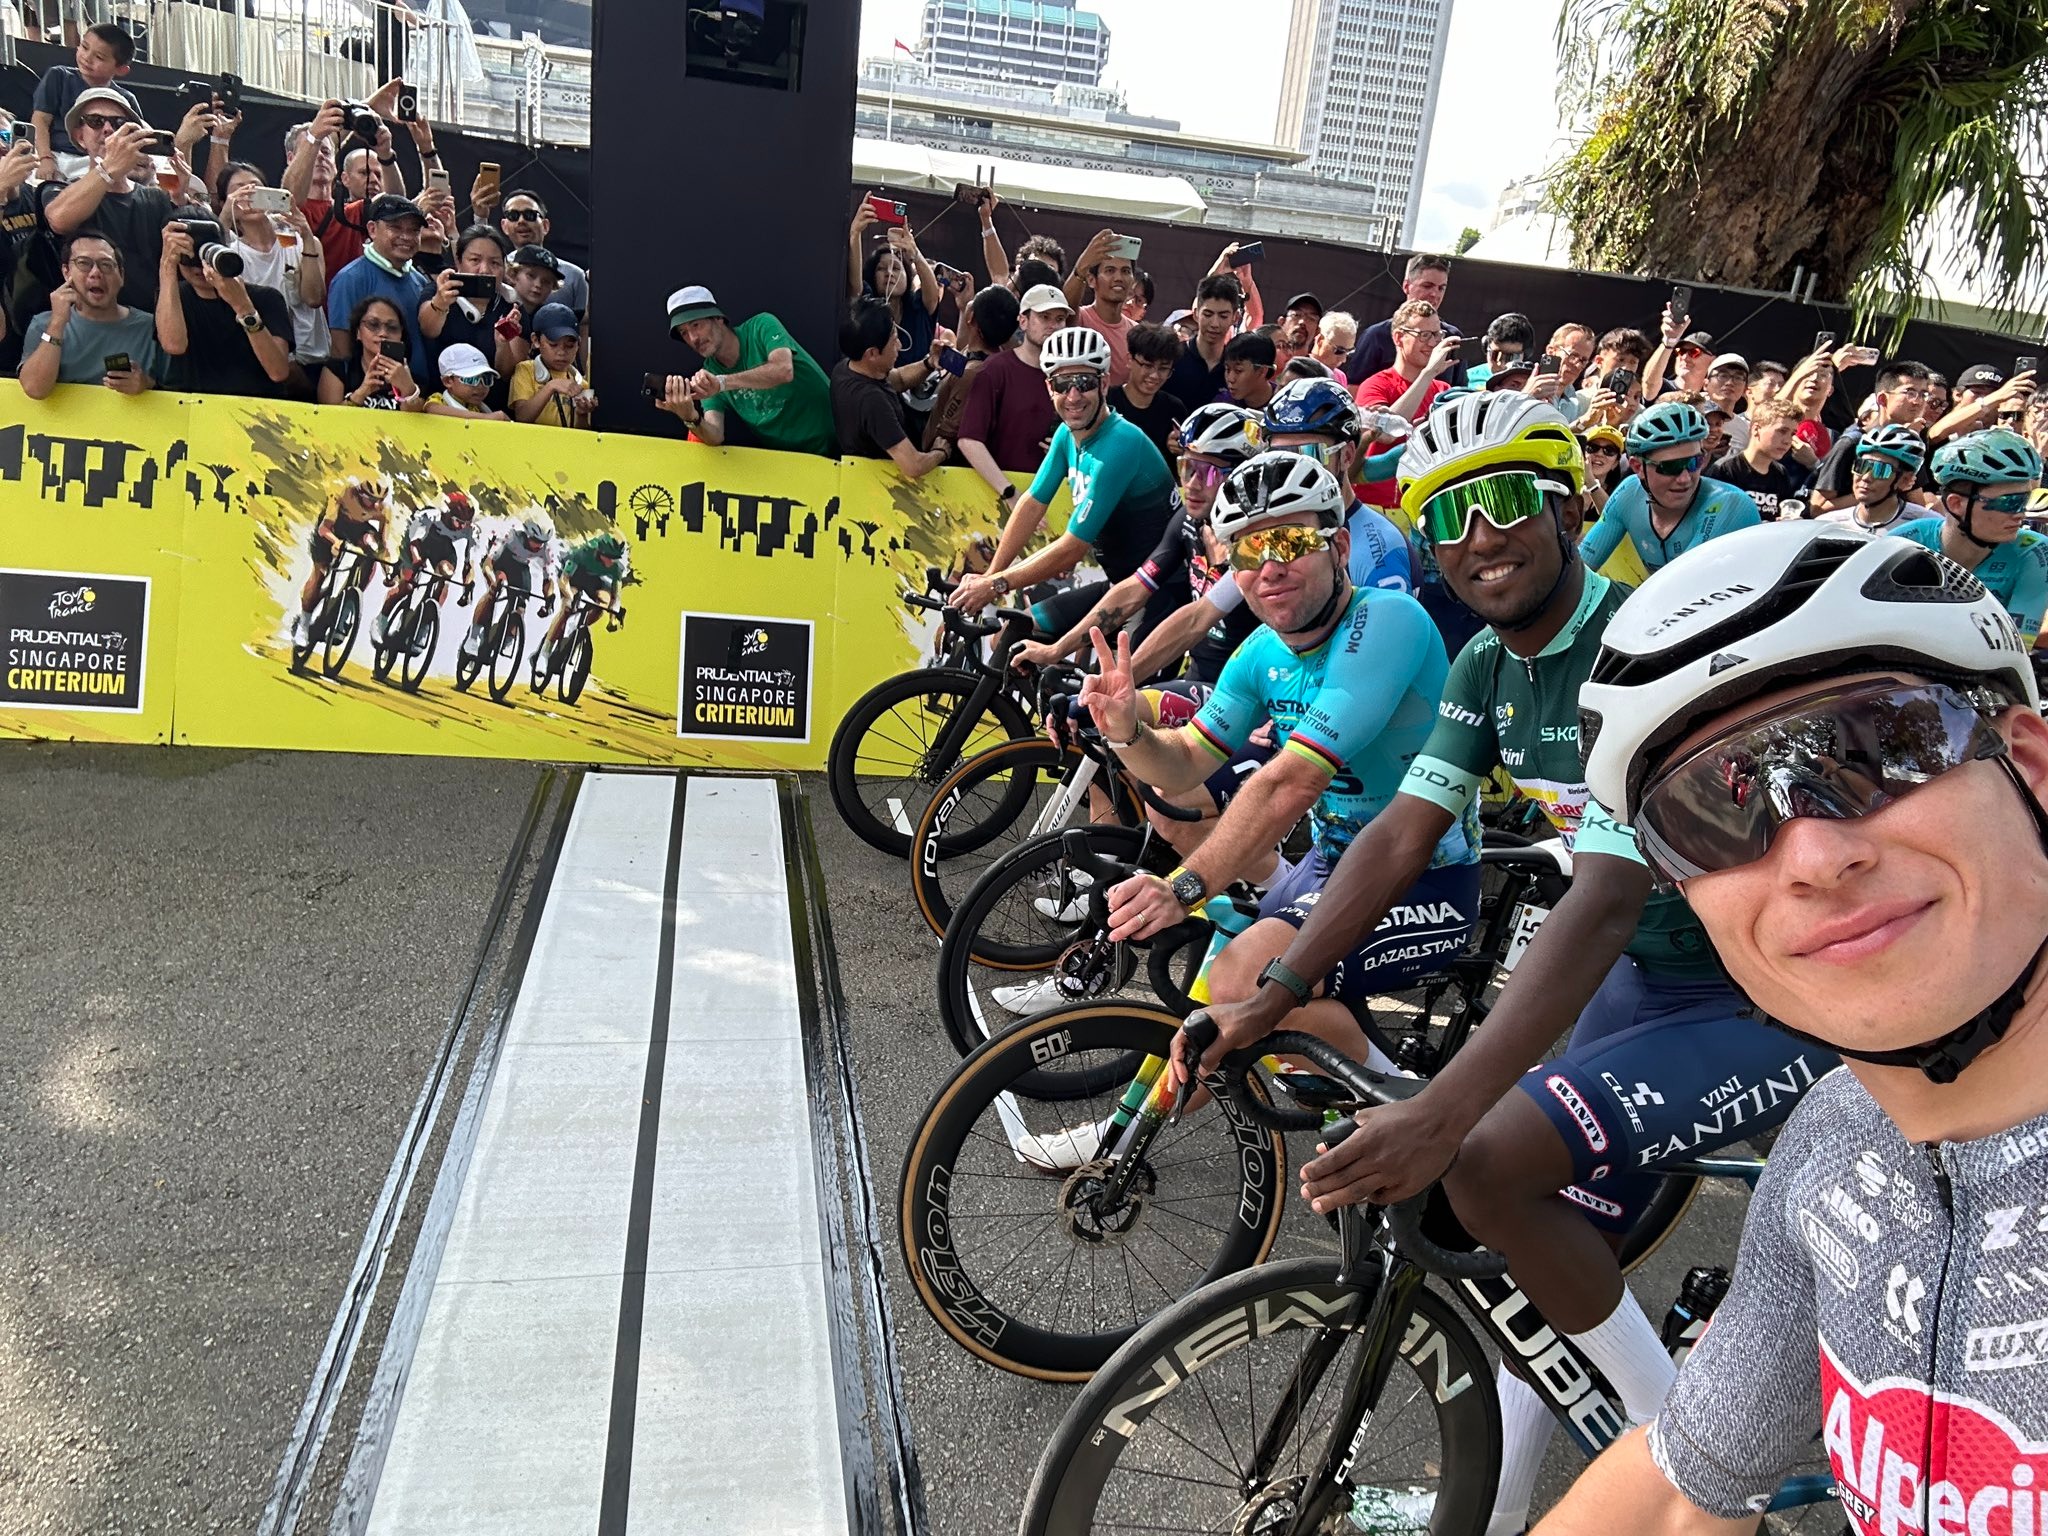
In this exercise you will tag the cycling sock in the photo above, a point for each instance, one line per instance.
(1380, 1062)
(1525, 1426)
(1631, 1356)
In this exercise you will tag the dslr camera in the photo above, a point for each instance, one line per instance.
(208, 241)
(360, 122)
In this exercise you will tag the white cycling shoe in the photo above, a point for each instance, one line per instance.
(1075, 908)
(1061, 1151)
(1384, 1511)
(1029, 997)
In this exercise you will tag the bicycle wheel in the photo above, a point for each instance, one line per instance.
(878, 767)
(1025, 1264)
(1273, 1350)
(576, 670)
(507, 645)
(1027, 911)
(341, 631)
(418, 650)
(467, 667)
(995, 795)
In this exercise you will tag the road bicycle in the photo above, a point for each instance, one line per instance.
(337, 610)
(503, 643)
(902, 737)
(568, 665)
(414, 628)
(1338, 1393)
(1046, 1210)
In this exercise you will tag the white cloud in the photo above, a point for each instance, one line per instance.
(1496, 118)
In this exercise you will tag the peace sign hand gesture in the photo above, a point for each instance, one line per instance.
(1110, 694)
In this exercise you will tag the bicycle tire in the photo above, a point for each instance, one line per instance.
(576, 670)
(508, 648)
(341, 632)
(999, 929)
(467, 667)
(946, 1175)
(942, 872)
(873, 814)
(1447, 1380)
(1661, 1217)
(415, 658)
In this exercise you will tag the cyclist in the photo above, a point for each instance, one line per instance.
(1985, 480)
(1876, 879)
(1667, 507)
(594, 568)
(443, 537)
(1123, 495)
(1318, 417)
(1349, 677)
(1661, 1064)
(516, 557)
(1881, 478)
(356, 519)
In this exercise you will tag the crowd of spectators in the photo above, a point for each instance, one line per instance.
(134, 259)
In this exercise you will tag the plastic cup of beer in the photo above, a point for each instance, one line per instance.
(168, 176)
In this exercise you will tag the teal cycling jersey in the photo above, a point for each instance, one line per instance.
(2016, 573)
(1359, 706)
(1124, 495)
(1718, 508)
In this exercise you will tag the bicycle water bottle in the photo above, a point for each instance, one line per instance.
(1700, 1293)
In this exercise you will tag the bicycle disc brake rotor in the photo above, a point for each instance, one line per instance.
(1270, 1509)
(1088, 1218)
(1088, 968)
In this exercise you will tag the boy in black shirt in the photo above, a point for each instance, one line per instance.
(1760, 467)
(1142, 397)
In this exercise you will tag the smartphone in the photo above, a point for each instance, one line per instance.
(1823, 341)
(230, 93)
(6, 135)
(408, 104)
(952, 277)
(487, 173)
(197, 93)
(953, 360)
(438, 180)
(475, 285)
(270, 200)
(887, 210)
(2025, 365)
(1128, 246)
(163, 142)
(654, 385)
(967, 192)
(1681, 302)
(1548, 364)
(1620, 381)
(1249, 255)
(116, 362)
(397, 349)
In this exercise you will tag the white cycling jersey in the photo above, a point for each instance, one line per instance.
(509, 548)
(425, 523)
(1893, 1298)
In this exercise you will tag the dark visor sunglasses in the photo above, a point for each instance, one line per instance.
(1836, 755)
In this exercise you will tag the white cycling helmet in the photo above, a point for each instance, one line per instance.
(1274, 485)
(1766, 606)
(1220, 431)
(1075, 347)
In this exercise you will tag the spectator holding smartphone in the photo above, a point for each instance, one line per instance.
(297, 270)
(385, 269)
(754, 370)
(223, 337)
(375, 374)
(118, 195)
(988, 324)
(87, 329)
(896, 273)
(868, 388)
(484, 316)
(1107, 268)
(1226, 265)
(1424, 351)
(546, 387)
(1426, 280)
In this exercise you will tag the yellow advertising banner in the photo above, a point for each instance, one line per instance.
(760, 593)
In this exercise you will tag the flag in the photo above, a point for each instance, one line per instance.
(906, 47)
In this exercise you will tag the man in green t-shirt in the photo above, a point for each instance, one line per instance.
(754, 370)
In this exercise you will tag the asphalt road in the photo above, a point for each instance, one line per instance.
(228, 974)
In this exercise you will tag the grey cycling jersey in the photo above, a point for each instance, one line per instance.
(1892, 1298)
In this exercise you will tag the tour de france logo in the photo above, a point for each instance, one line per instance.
(744, 678)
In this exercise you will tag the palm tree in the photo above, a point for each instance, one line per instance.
(1736, 141)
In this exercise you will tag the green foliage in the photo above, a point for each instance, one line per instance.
(1467, 238)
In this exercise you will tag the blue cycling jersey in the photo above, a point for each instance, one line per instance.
(1380, 556)
(2016, 573)
(1718, 508)
(1359, 706)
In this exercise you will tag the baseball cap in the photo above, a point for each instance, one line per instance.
(554, 321)
(1515, 370)
(462, 361)
(535, 256)
(692, 303)
(98, 95)
(1179, 315)
(1305, 301)
(1697, 341)
(1730, 360)
(1981, 376)
(1043, 300)
(387, 206)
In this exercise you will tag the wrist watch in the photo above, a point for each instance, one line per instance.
(1000, 585)
(1188, 887)
(252, 322)
(1278, 973)
(1007, 493)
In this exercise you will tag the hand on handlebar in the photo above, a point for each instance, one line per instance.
(1397, 1151)
(1142, 906)
(1212, 1033)
(1033, 653)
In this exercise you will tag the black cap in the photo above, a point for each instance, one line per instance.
(535, 256)
(1983, 376)
(1697, 341)
(387, 206)
(1305, 301)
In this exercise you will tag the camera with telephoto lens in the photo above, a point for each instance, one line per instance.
(358, 120)
(208, 241)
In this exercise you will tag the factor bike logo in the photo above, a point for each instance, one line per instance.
(1986, 1475)
(1903, 1293)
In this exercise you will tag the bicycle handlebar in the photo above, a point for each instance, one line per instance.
(1404, 1219)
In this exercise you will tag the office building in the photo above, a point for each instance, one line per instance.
(1358, 92)
(1032, 42)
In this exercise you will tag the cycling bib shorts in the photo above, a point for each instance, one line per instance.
(350, 530)
(436, 548)
(1426, 927)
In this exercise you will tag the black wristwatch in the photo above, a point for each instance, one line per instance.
(1188, 887)
(1277, 972)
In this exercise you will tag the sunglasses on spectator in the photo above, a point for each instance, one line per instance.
(101, 120)
(1676, 467)
(1875, 468)
(1837, 756)
(523, 215)
(1607, 448)
(1337, 351)
(1077, 384)
(2011, 503)
(475, 380)
(1505, 499)
(1283, 546)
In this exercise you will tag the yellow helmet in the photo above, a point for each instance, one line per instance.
(1480, 431)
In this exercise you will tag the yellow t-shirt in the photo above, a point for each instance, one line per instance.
(527, 379)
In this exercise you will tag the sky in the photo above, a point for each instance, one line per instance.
(1496, 48)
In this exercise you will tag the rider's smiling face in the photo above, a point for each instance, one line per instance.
(1288, 596)
(1889, 929)
(1506, 574)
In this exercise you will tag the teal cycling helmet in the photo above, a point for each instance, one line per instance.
(1901, 444)
(1669, 425)
(1993, 457)
(610, 545)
